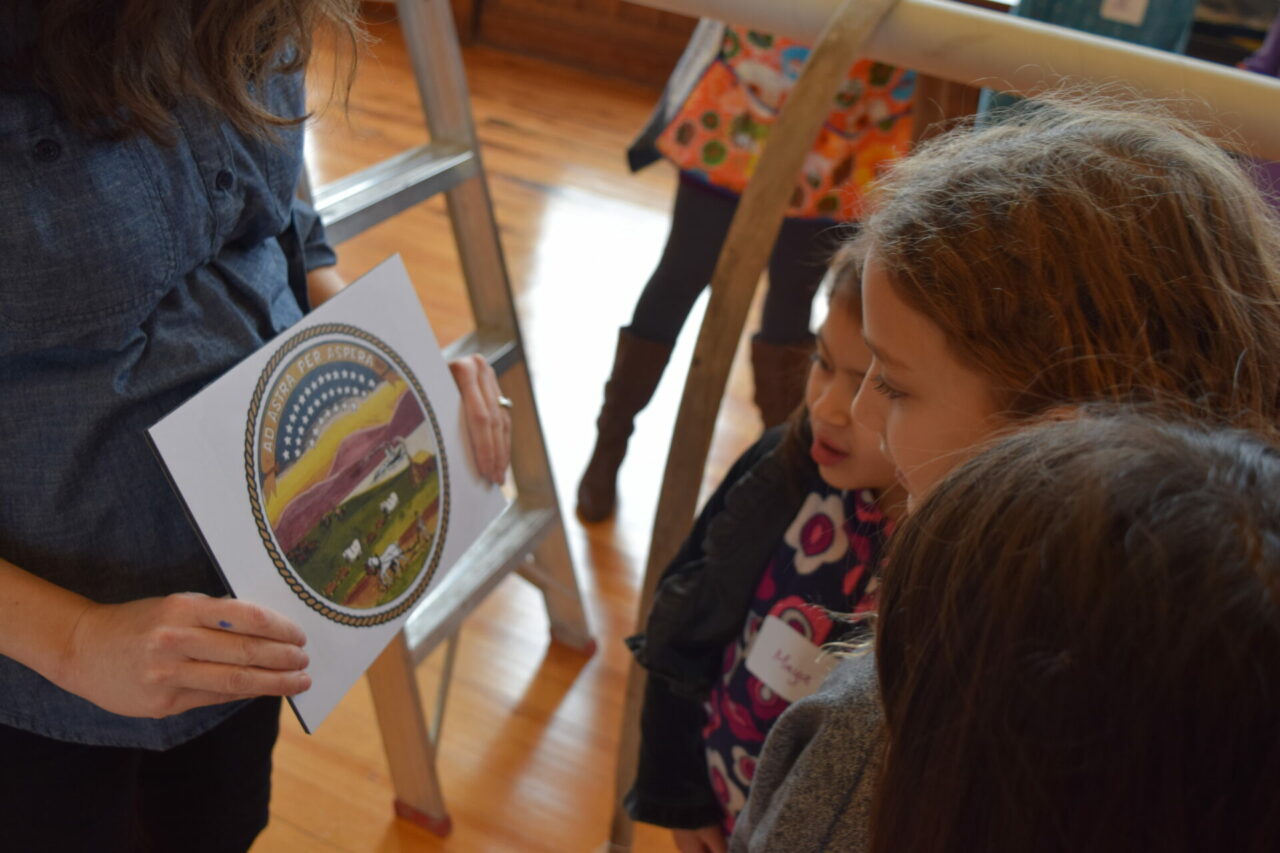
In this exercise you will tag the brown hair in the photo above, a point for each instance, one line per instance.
(119, 67)
(845, 272)
(1079, 647)
(1085, 249)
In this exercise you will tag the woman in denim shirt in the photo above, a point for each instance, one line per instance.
(149, 151)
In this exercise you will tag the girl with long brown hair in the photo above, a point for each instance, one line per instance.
(1079, 251)
(1079, 646)
(149, 152)
(1083, 250)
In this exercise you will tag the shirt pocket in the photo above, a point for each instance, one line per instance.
(84, 244)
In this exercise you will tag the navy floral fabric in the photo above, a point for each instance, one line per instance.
(824, 565)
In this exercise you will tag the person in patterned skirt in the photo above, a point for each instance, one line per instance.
(714, 117)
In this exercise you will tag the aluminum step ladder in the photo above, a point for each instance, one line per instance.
(528, 538)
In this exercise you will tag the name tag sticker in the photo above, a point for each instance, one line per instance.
(786, 662)
(1132, 12)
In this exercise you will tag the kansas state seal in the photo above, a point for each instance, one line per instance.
(347, 474)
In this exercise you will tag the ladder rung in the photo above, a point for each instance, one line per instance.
(499, 350)
(359, 201)
(507, 541)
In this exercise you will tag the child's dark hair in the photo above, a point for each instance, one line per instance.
(845, 294)
(1079, 646)
(1088, 249)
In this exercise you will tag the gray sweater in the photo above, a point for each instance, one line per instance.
(814, 784)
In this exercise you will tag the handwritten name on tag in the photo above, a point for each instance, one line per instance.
(1132, 12)
(786, 662)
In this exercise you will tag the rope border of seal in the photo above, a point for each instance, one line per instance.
(250, 461)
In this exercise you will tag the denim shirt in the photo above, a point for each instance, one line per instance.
(131, 275)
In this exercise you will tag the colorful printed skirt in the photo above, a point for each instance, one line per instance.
(720, 129)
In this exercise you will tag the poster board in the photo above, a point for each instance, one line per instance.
(329, 477)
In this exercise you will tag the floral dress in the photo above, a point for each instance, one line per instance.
(825, 564)
(720, 129)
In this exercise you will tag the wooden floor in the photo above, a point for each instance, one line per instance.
(529, 737)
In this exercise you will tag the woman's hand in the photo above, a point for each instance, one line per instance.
(160, 656)
(488, 423)
(707, 839)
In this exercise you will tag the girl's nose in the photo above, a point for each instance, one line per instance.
(833, 404)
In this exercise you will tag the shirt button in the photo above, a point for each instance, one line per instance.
(47, 150)
(224, 180)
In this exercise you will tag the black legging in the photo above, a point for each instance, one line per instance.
(699, 225)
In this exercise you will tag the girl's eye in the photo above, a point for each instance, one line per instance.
(886, 389)
(821, 362)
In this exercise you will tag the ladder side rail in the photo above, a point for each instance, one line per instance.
(442, 86)
(398, 705)
(534, 524)
(438, 67)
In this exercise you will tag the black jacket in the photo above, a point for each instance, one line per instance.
(699, 607)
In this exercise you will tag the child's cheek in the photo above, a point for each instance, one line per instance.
(869, 465)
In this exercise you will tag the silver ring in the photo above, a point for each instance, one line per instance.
(505, 402)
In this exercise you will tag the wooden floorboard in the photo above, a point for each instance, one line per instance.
(528, 749)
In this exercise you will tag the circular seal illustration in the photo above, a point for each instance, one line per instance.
(347, 474)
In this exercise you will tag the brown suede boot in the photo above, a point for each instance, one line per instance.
(781, 371)
(637, 367)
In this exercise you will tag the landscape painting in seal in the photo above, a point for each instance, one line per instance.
(346, 474)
